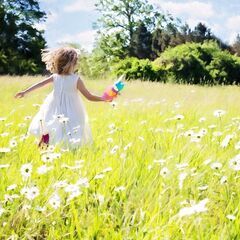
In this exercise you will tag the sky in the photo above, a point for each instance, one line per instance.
(72, 20)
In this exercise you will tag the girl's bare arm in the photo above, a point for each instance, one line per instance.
(91, 97)
(34, 87)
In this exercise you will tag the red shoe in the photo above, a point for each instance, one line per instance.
(44, 140)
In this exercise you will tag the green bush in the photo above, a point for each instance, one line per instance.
(197, 63)
(134, 68)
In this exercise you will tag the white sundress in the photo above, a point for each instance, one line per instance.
(63, 115)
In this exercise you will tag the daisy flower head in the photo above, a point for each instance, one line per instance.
(5, 150)
(164, 172)
(179, 117)
(55, 201)
(231, 217)
(216, 165)
(13, 143)
(114, 149)
(119, 189)
(219, 113)
(32, 193)
(26, 170)
(234, 163)
(223, 180)
(194, 208)
(202, 119)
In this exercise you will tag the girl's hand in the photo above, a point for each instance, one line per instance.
(20, 95)
(107, 98)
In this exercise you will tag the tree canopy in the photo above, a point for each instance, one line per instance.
(20, 41)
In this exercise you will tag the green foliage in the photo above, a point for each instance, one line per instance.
(236, 46)
(190, 63)
(173, 35)
(197, 63)
(120, 19)
(142, 40)
(134, 68)
(20, 41)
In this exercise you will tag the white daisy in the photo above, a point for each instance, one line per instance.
(22, 125)
(141, 138)
(212, 126)
(36, 105)
(181, 166)
(71, 188)
(4, 134)
(55, 201)
(195, 208)
(123, 155)
(203, 188)
(231, 217)
(32, 193)
(207, 161)
(2, 210)
(23, 137)
(4, 166)
(73, 195)
(223, 179)
(10, 198)
(11, 187)
(217, 134)
(114, 149)
(160, 161)
(182, 177)
(27, 118)
(202, 119)
(179, 117)
(216, 165)
(44, 169)
(26, 170)
(13, 143)
(40, 209)
(5, 150)
(164, 172)
(83, 182)
(99, 198)
(119, 189)
(237, 146)
(234, 163)
(112, 126)
(99, 176)
(108, 169)
(109, 140)
(226, 141)
(219, 113)
(113, 104)
(127, 146)
(60, 184)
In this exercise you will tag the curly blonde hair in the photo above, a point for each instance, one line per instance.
(61, 61)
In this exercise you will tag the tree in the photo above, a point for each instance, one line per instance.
(201, 33)
(20, 41)
(142, 40)
(122, 17)
(236, 45)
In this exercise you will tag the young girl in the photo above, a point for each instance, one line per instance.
(62, 118)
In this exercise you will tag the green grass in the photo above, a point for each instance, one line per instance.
(148, 205)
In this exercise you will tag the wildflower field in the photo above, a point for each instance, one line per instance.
(164, 164)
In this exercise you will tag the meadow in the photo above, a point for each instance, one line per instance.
(164, 165)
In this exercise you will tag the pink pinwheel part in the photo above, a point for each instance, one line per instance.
(106, 97)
